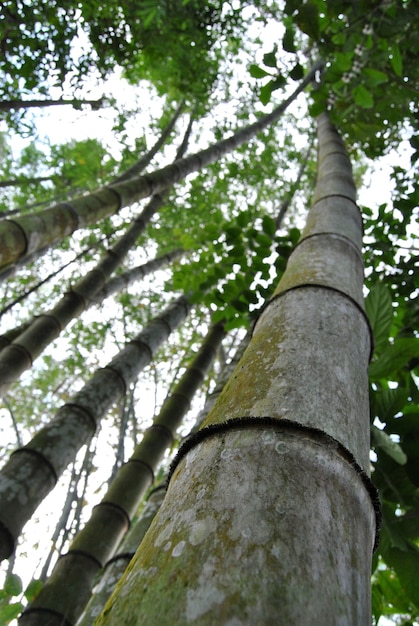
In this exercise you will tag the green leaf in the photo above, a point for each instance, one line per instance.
(378, 307)
(266, 92)
(394, 358)
(9, 612)
(380, 439)
(342, 61)
(288, 43)
(269, 58)
(297, 72)
(374, 77)
(307, 19)
(363, 97)
(386, 590)
(406, 566)
(268, 225)
(13, 585)
(386, 403)
(396, 59)
(257, 72)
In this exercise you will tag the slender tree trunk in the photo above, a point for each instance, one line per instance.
(68, 589)
(117, 283)
(21, 353)
(27, 293)
(270, 517)
(14, 105)
(117, 565)
(26, 234)
(19, 182)
(33, 470)
(140, 165)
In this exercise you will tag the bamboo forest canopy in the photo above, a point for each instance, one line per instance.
(158, 161)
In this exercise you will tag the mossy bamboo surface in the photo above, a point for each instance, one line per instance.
(270, 517)
(24, 235)
(32, 471)
(97, 541)
(118, 564)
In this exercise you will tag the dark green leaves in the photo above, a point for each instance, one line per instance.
(257, 72)
(307, 19)
(381, 439)
(379, 309)
(395, 357)
(396, 59)
(288, 43)
(363, 97)
(297, 72)
(269, 59)
(267, 90)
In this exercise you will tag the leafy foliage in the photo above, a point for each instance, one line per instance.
(225, 218)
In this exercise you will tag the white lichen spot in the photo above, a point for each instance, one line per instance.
(201, 529)
(200, 601)
(178, 549)
(201, 493)
(167, 546)
(276, 551)
(268, 437)
(246, 532)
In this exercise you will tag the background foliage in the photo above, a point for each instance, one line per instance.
(228, 62)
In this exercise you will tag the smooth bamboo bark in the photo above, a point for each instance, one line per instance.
(32, 471)
(61, 596)
(27, 293)
(270, 517)
(18, 182)
(24, 235)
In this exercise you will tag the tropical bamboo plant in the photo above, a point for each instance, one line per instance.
(68, 589)
(240, 540)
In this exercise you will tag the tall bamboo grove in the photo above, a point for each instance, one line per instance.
(270, 516)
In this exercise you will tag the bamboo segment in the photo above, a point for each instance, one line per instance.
(117, 565)
(24, 235)
(98, 540)
(270, 517)
(32, 471)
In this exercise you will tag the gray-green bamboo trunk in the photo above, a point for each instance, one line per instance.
(117, 565)
(32, 471)
(270, 517)
(67, 591)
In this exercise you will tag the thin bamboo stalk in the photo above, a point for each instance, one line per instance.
(32, 471)
(65, 594)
